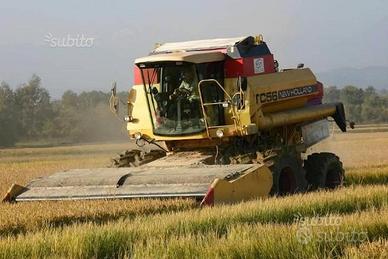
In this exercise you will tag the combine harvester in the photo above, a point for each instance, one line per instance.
(229, 126)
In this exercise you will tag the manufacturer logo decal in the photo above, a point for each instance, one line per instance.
(284, 94)
(258, 65)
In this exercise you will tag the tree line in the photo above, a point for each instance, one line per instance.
(28, 114)
(361, 105)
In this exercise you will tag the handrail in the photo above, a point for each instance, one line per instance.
(229, 101)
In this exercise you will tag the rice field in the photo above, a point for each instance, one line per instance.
(351, 222)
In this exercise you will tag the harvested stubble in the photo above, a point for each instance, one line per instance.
(23, 172)
(357, 149)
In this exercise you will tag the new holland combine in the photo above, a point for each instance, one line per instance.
(228, 125)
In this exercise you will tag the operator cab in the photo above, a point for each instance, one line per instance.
(174, 99)
(172, 73)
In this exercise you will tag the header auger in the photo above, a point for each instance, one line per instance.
(229, 126)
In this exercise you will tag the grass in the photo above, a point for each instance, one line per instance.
(178, 228)
(22, 218)
(28, 217)
(270, 240)
(367, 175)
(222, 231)
(373, 250)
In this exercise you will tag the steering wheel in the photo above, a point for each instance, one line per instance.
(180, 92)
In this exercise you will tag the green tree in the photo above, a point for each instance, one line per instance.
(332, 94)
(352, 97)
(361, 105)
(92, 99)
(372, 106)
(67, 118)
(35, 108)
(69, 100)
(8, 116)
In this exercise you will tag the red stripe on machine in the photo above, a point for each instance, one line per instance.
(148, 74)
(249, 66)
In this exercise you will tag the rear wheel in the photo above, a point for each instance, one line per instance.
(324, 170)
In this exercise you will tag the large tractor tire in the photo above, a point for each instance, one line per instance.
(288, 175)
(324, 171)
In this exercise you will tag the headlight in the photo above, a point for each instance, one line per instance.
(137, 135)
(220, 133)
(127, 118)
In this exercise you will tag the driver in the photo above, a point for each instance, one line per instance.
(188, 86)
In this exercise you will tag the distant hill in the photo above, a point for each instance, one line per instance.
(376, 76)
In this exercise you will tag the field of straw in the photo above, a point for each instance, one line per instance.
(350, 222)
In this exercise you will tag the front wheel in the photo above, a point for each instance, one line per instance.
(288, 175)
(324, 171)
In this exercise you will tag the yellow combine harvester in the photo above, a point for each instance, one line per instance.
(229, 126)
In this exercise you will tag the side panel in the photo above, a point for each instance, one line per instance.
(314, 132)
(282, 91)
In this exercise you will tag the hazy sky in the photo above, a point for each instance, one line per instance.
(321, 34)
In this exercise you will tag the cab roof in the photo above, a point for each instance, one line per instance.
(193, 57)
(202, 51)
(198, 45)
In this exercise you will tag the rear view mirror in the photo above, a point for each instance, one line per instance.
(113, 100)
(131, 101)
(132, 96)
